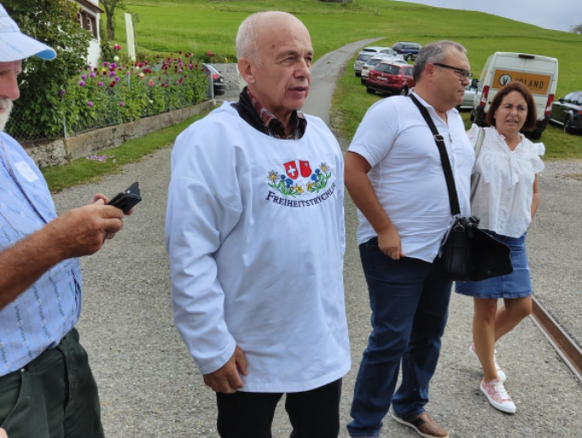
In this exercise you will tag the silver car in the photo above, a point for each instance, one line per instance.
(375, 60)
(469, 96)
(369, 52)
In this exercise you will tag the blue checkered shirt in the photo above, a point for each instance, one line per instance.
(43, 314)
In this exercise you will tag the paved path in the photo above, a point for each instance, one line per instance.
(150, 386)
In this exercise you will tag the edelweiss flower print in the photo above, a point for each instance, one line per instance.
(297, 180)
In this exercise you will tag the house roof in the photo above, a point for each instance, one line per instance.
(91, 6)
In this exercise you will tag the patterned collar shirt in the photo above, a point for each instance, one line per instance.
(43, 314)
(273, 126)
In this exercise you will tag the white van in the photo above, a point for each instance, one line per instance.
(538, 73)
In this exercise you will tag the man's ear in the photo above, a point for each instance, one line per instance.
(246, 68)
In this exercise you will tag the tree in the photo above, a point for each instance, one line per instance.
(109, 6)
(577, 28)
(54, 23)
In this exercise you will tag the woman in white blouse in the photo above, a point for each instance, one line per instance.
(505, 200)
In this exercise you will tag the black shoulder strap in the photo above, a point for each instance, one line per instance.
(453, 198)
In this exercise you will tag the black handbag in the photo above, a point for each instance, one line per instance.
(468, 253)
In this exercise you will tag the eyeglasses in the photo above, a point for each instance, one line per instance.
(461, 72)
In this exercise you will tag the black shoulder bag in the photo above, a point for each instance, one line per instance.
(468, 252)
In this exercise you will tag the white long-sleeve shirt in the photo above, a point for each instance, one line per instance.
(255, 235)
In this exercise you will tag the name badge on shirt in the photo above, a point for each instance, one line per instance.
(26, 171)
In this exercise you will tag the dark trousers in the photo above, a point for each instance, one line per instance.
(409, 299)
(312, 413)
(54, 396)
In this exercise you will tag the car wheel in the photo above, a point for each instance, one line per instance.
(408, 57)
(364, 80)
(358, 74)
(568, 125)
(404, 91)
(370, 90)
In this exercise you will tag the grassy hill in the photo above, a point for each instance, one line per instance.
(201, 25)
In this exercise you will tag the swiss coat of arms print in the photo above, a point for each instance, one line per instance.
(298, 178)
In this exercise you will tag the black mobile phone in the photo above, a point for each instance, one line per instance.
(127, 199)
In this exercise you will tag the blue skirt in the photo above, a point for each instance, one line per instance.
(514, 285)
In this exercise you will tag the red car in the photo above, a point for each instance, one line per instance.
(390, 79)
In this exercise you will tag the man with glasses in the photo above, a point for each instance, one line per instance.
(394, 174)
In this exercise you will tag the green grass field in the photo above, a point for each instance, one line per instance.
(201, 25)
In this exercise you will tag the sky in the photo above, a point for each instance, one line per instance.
(549, 14)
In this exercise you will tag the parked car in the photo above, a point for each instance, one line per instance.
(217, 78)
(373, 61)
(407, 49)
(469, 96)
(367, 53)
(390, 78)
(567, 111)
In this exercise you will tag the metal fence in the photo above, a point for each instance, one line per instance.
(112, 110)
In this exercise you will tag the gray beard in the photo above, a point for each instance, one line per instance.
(5, 116)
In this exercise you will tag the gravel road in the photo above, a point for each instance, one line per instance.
(150, 386)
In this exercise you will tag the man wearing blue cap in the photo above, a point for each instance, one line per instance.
(47, 389)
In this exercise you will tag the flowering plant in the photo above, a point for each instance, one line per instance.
(119, 92)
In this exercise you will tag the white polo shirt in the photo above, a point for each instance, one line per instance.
(407, 173)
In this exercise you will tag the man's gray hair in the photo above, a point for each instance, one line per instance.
(246, 38)
(431, 53)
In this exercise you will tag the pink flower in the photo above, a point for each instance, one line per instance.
(83, 77)
(152, 83)
(121, 104)
(92, 75)
(209, 53)
(99, 84)
(90, 104)
(81, 83)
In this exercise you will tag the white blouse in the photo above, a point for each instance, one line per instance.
(504, 194)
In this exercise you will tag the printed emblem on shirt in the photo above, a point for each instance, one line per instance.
(297, 180)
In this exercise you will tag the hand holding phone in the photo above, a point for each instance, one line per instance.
(127, 199)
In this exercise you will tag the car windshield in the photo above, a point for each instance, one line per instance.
(373, 62)
(364, 57)
(388, 68)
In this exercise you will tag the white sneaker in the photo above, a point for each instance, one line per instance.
(498, 396)
(500, 373)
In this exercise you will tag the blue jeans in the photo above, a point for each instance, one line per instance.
(409, 299)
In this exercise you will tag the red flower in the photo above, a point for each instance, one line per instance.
(112, 84)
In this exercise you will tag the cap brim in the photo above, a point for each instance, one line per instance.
(15, 46)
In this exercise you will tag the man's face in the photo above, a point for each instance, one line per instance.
(8, 89)
(450, 82)
(282, 76)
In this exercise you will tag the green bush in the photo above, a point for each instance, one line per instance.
(52, 22)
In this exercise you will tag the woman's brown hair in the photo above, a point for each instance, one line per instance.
(530, 121)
